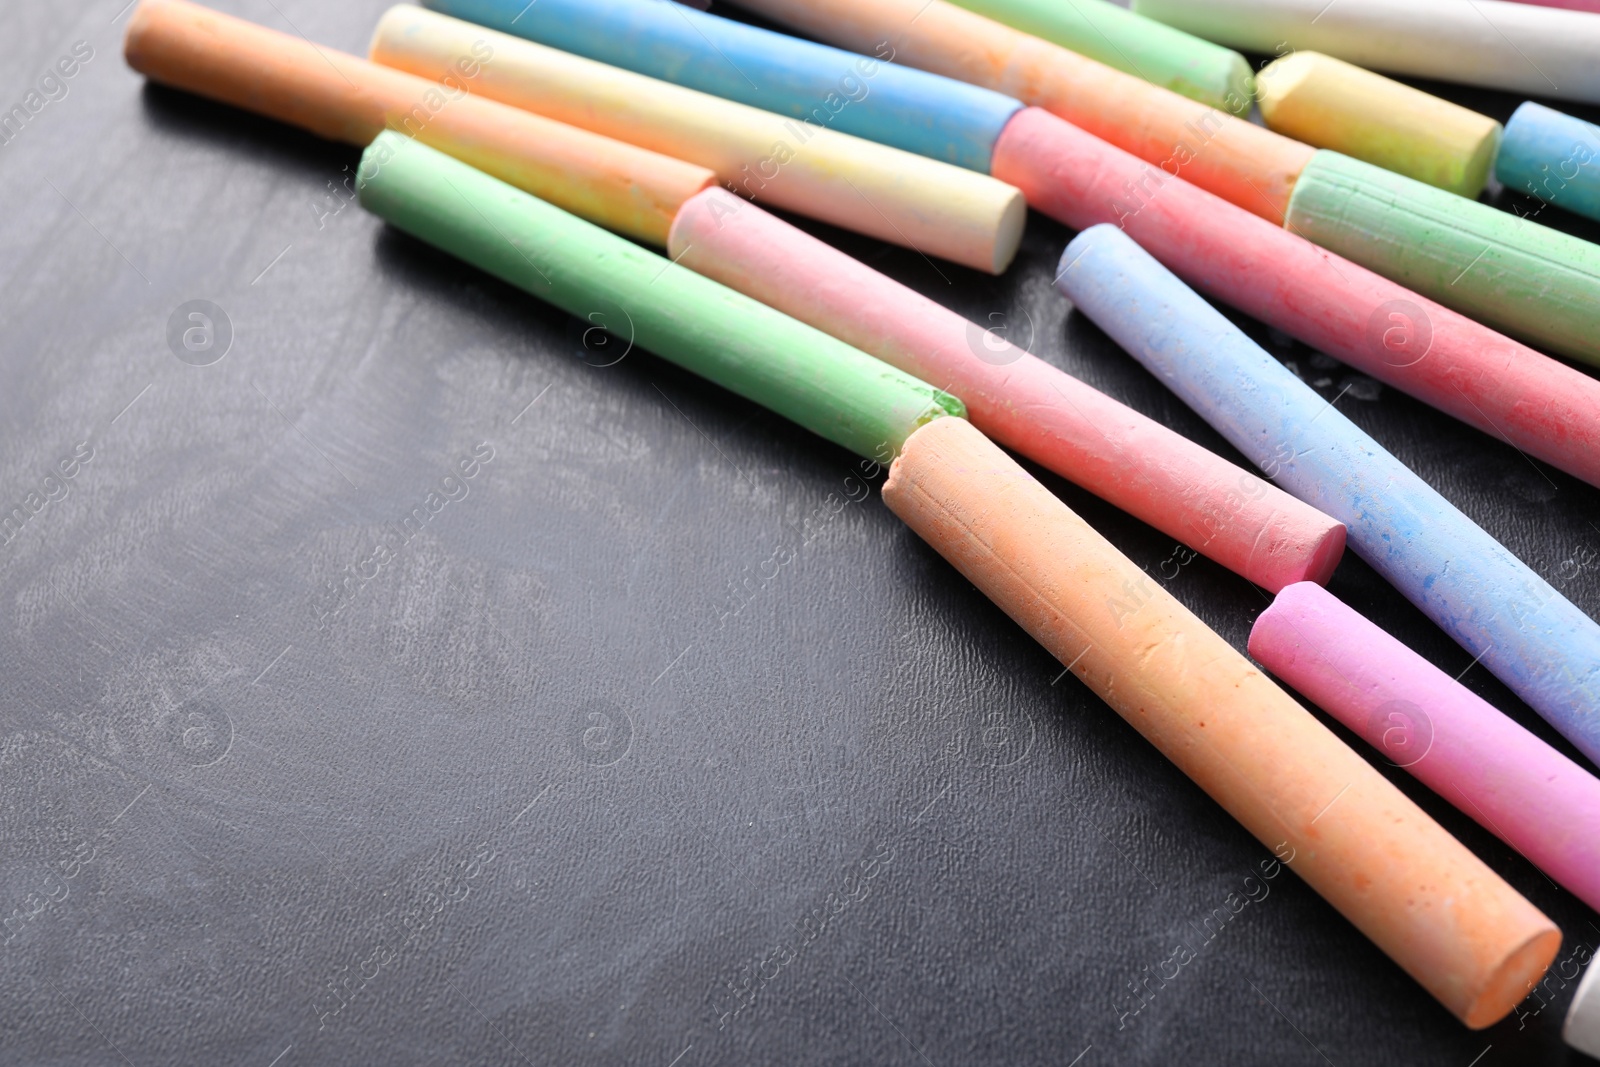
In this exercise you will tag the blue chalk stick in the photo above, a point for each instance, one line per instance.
(866, 96)
(1529, 635)
(1552, 156)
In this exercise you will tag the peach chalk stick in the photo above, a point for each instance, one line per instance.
(893, 195)
(1420, 895)
(1514, 785)
(343, 98)
(1223, 511)
(1238, 161)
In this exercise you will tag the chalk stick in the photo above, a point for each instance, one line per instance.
(896, 196)
(806, 376)
(1115, 36)
(1518, 626)
(1552, 156)
(910, 109)
(1333, 104)
(1153, 473)
(1511, 783)
(1539, 51)
(1507, 272)
(1582, 1030)
(1432, 906)
(1570, 5)
(1240, 162)
(1502, 387)
(342, 98)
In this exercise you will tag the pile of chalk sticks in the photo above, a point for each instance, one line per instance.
(612, 153)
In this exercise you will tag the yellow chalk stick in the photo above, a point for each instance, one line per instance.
(1333, 104)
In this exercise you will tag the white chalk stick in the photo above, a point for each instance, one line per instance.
(1582, 1031)
(1523, 48)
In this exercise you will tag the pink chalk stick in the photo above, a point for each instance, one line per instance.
(1211, 505)
(1570, 5)
(1514, 785)
(1399, 337)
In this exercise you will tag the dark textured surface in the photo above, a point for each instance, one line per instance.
(572, 778)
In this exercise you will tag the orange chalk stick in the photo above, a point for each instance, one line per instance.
(338, 96)
(1420, 895)
(1238, 161)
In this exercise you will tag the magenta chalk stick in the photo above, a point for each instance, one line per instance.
(1511, 783)
(1570, 5)
(1211, 505)
(1483, 378)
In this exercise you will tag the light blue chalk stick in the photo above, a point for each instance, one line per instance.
(1529, 635)
(1552, 156)
(864, 95)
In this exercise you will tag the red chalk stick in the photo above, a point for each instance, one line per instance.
(1485, 379)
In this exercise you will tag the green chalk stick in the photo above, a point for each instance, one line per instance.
(1133, 44)
(1520, 277)
(836, 391)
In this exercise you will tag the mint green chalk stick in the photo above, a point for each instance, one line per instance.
(1133, 44)
(831, 389)
(1517, 276)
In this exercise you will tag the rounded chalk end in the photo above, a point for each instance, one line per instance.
(1239, 85)
(1477, 165)
(1523, 132)
(142, 37)
(1079, 249)
(1008, 234)
(1319, 566)
(1304, 546)
(1582, 1030)
(1510, 982)
(1273, 634)
(1280, 79)
(1549, 154)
